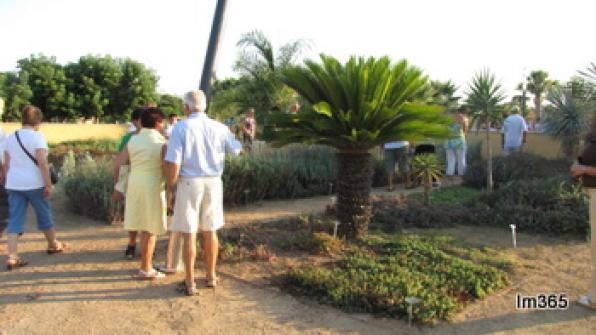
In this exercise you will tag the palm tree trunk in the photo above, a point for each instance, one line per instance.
(489, 160)
(427, 186)
(354, 181)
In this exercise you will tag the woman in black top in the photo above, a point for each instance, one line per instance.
(586, 170)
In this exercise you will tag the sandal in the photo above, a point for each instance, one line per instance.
(585, 301)
(212, 283)
(18, 263)
(166, 270)
(151, 275)
(189, 291)
(60, 247)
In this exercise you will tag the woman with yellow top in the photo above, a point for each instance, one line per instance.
(145, 194)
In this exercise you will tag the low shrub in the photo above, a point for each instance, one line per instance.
(448, 195)
(555, 205)
(395, 215)
(88, 188)
(516, 166)
(379, 277)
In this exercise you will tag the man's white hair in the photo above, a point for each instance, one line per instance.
(196, 101)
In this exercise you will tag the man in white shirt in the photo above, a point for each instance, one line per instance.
(172, 120)
(194, 165)
(513, 132)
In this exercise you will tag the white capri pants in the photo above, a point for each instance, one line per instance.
(456, 156)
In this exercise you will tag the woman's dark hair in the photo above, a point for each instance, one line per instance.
(32, 116)
(151, 116)
(136, 113)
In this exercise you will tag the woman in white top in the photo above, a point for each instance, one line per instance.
(28, 182)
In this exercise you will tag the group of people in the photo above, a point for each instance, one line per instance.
(157, 168)
(399, 153)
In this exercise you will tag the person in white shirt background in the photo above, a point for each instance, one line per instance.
(513, 132)
(172, 120)
(194, 164)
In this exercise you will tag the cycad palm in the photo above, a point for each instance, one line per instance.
(356, 107)
(484, 96)
(427, 167)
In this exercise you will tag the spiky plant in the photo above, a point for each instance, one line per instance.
(354, 107)
(427, 167)
(567, 118)
(484, 96)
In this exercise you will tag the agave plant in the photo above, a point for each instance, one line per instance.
(567, 118)
(484, 96)
(355, 107)
(427, 167)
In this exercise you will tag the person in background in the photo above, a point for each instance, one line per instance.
(249, 129)
(145, 209)
(194, 165)
(455, 147)
(121, 178)
(28, 182)
(3, 194)
(172, 120)
(397, 153)
(585, 169)
(513, 134)
(294, 108)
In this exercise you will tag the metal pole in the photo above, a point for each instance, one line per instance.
(211, 55)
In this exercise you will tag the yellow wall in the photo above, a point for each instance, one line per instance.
(540, 144)
(58, 132)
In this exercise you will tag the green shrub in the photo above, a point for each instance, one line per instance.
(89, 189)
(448, 195)
(395, 215)
(378, 279)
(553, 205)
(516, 166)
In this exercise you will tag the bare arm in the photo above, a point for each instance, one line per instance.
(5, 167)
(123, 158)
(171, 172)
(42, 163)
(579, 170)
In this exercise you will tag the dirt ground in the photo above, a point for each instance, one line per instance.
(89, 290)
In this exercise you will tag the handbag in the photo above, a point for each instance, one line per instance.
(53, 174)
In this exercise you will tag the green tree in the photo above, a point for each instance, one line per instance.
(355, 107)
(170, 104)
(427, 167)
(93, 79)
(568, 116)
(136, 86)
(48, 84)
(260, 67)
(484, 96)
(18, 94)
(538, 84)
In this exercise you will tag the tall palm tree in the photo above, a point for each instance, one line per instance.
(538, 83)
(484, 96)
(567, 118)
(355, 107)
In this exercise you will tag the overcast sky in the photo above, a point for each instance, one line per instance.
(448, 39)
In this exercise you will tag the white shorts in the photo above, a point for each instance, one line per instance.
(199, 205)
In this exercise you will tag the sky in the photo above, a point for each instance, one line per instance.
(449, 40)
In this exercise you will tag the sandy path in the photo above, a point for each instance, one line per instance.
(89, 291)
